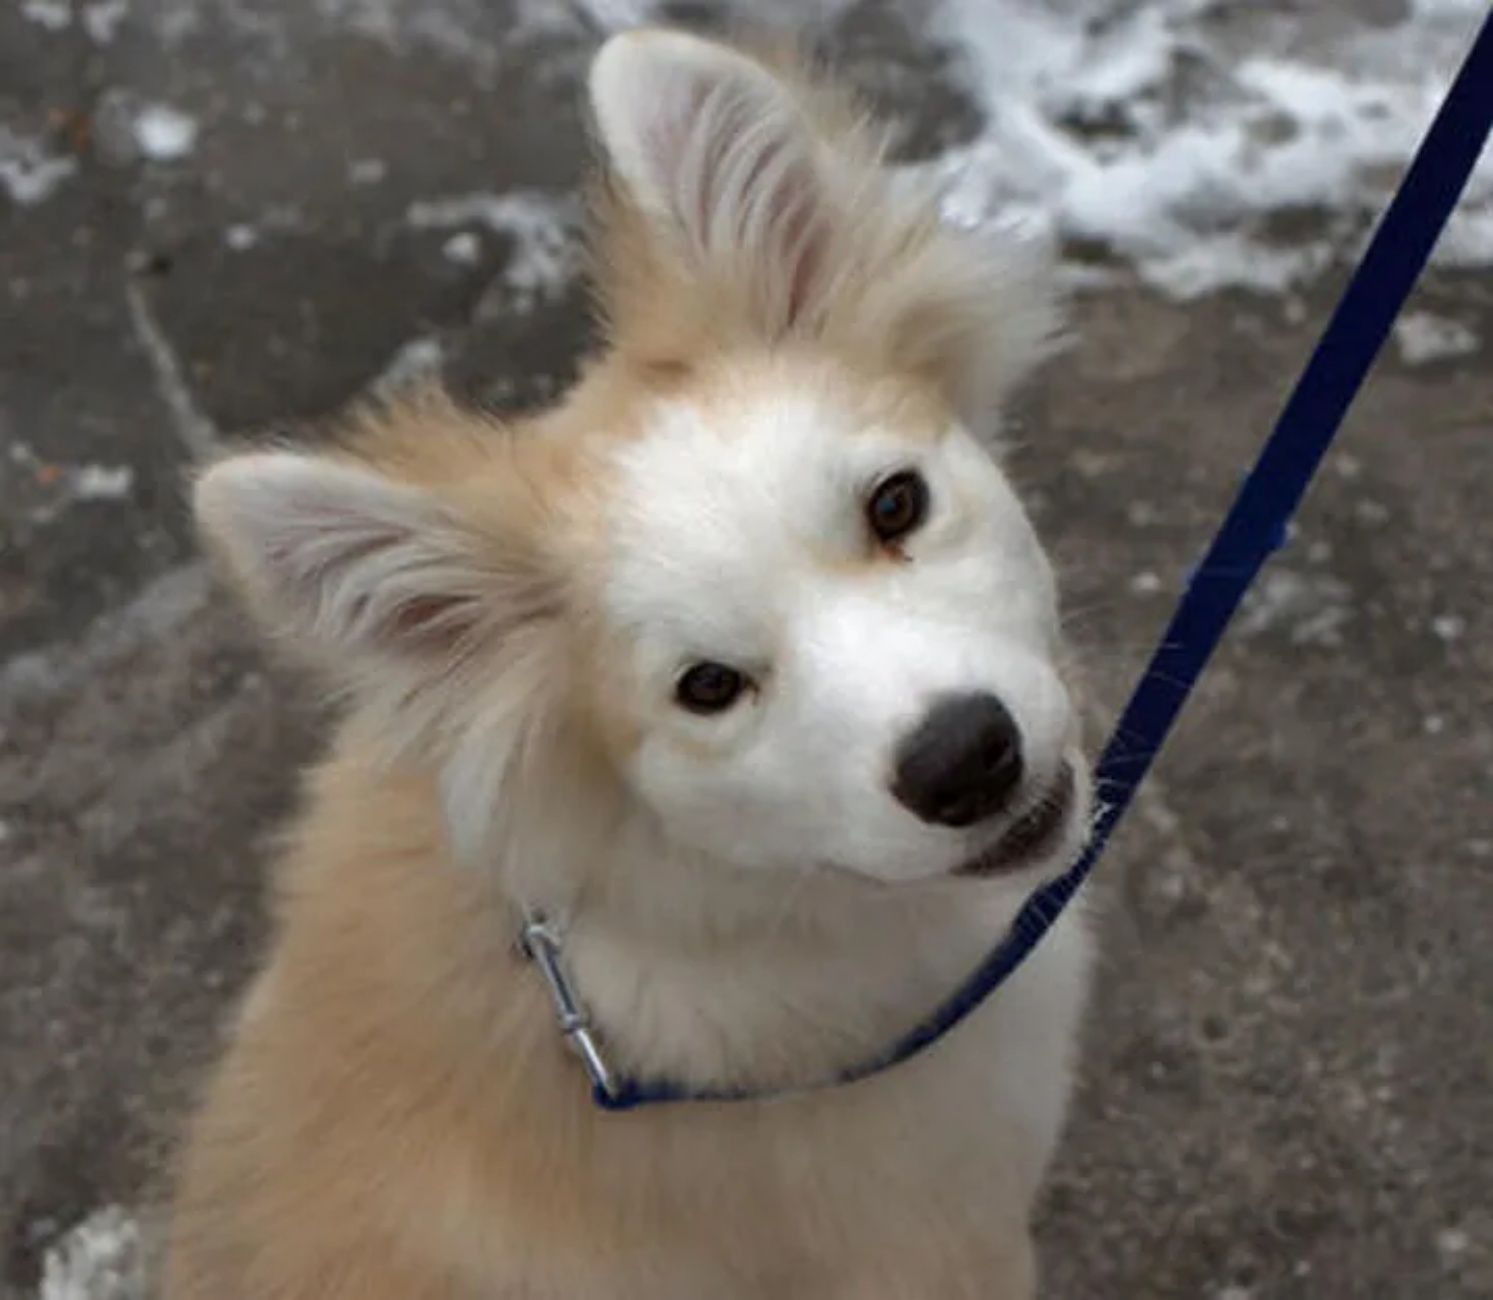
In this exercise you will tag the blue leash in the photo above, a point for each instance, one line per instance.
(1253, 530)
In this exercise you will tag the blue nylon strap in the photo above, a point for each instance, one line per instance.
(1253, 530)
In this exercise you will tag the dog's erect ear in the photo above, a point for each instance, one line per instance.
(757, 203)
(719, 155)
(354, 565)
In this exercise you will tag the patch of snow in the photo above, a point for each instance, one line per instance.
(29, 172)
(465, 249)
(101, 482)
(615, 15)
(1178, 142)
(1423, 337)
(468, 31)
(416, 360)
(1452, 1242)
(367, 171)
(1448, 627)
(1312, 609)
(542, 227)
(164, 133)
(54, 15)
(102, 20)
(102, 1258)
(241, 237)
(618, 15)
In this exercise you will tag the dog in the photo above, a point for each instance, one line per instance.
(741, 667)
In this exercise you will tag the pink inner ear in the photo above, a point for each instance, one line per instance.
(785, 225)
(433, 622)
(805, 240)
(414, 620)
(667, 139)
(794, 232)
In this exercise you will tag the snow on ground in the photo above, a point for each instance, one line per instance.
(1207, 143)
(102, 1258)
(542, 231)
(1203, 143)
(29, 171)
(163, 133)
(1423, 337)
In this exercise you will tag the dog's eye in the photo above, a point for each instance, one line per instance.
(710, 688)
(897, 506)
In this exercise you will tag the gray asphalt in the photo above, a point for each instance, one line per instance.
(1288, 1085)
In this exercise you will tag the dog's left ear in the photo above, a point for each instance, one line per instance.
(720, 156)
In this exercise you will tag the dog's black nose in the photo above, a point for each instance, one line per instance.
(962, 763)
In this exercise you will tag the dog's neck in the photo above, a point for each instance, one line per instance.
(714, 976)
(707, 975)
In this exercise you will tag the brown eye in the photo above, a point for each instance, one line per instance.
(897, 506)
(710, 688)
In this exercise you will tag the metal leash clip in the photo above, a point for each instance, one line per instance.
(541, 944)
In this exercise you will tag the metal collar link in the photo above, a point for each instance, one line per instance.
(541, 944)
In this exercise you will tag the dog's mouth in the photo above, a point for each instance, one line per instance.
(1034, 835)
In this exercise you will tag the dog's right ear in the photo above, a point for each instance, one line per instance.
(438, 611)
(359, 569)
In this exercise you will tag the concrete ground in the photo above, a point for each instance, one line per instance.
(1288, 1088)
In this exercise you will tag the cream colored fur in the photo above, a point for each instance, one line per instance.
(396, 1117)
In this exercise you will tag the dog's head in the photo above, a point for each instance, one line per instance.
(759, 582)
